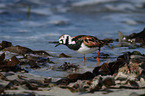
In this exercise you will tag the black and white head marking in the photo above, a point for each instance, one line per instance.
(66, 40)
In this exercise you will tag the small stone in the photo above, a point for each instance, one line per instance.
(62, 55)
(41, 53)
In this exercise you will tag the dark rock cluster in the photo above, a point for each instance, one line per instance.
(25, 83)
(33, 58)
(125, 72)
(134, 40)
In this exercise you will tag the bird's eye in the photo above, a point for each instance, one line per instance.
(61, 41)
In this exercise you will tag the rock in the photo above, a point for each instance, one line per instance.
(112, 67)
(86, 85)
(63, 82)
(10, 64)
(33, 64)
(96, 84)
(74, 77)
(108, 81)
(41, 53)
(79, 86)
(77, 76)
(2, 57)
(18, 49)
(2, 91)
(6, 44)
(134, 38)
(62, 55)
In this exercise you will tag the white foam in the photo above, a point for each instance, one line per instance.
(89, 2)
(120, 7)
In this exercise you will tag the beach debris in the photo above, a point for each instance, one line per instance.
(67, 66)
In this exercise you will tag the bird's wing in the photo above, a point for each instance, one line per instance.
(89, 41)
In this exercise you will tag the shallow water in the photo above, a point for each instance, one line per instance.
(48, 19)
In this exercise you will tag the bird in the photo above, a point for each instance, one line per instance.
(82, 44)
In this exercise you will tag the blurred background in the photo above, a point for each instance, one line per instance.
(34, 23)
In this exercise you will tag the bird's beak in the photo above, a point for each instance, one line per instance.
(57, 44)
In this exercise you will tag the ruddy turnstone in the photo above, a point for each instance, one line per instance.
(82, 44)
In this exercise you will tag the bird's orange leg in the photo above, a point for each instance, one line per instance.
(84, 59)
(97, 58)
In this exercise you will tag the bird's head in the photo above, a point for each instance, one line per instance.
(64, 39)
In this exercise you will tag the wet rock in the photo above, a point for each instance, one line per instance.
(112, 67)
(135, 66)
(86, 85)
(62, 55)
(67, 66)
(89, 85)
(18, 49)
(77, 76)
(108, 81)
(41, 53)
(2, 57)
(38, 59)
(33, 64)
(74, 77)
(6, 44)
(134, 38)
(10, 64)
